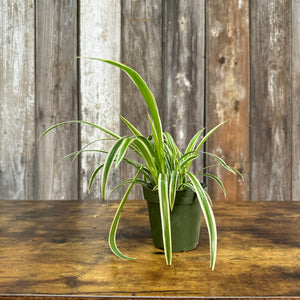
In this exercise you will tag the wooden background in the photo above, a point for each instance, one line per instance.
(205, 61)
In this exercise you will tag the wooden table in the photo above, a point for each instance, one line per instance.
(60, 248)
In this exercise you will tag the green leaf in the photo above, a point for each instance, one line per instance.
(83, 149)
(204, 140)
(149, 99)
(132, 128)
(157, 143)
(188, 160)
(93, 176)
(165, 216)
(238, 172)
(217, 180)
(127, 181)
(185, 186)
(223, 163)
(153, 129)
(123, 148)
(137, 165)
(173, 188)
(207, 167)
(66, 156)
(209, 217)
(208, 135)
(82, 122)
(114, 225)
(76, 153)
(108, 163)
(208, 197)
(148, 154)
(193, 141)
(186, 155)
(172, 145)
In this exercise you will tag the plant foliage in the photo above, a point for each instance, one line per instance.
(165, 168)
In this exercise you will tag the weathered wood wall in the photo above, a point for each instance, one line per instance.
(205, 61)
(17, 100)
(228, 91)
(270, 105)
(56, 96)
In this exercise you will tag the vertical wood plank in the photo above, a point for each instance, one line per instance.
(100, 23)
(184, 70)
(141, 40)
(56, 92)
(270, 146)
(17, 110)
(296, 100)
(228, 93)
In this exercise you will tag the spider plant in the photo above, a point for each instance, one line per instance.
(164, 168)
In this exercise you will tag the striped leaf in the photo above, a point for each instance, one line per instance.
(204, 140)
(223, 163)
(123, 148)
(170, 142)
(114, 225)
(208, 135)
(219, 182)
(83, 149)
(128, 181)
(173, 188)
(149, 99)
(187, 160)
(209, 217)
(82, 122)
(194, 141)
(132, 128)
(93, 176)
(148, 154)
(165, 216)
(108, 163)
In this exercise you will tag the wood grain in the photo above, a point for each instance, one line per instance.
(17, 108)
(295, 100)
(270, 147)
(228, 93)
(60, 248)
(99, 86)
(56, 97)
(184, 70)
(141, 39)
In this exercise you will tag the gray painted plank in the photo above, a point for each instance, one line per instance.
(296, 99)
(141, 41)
(56, 96)
(228, 94)
(17, 110)
(184, 70)
(270, 146)
(99, 86)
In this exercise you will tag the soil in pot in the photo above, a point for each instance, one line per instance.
(185, 220)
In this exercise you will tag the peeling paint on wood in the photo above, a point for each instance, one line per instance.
(228, 93)
(270, 147)
(56, 97)
(17, 106)
(99, 86)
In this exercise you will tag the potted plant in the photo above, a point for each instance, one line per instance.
(170, 188)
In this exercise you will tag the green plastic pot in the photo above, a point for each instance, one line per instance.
(185, 220)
